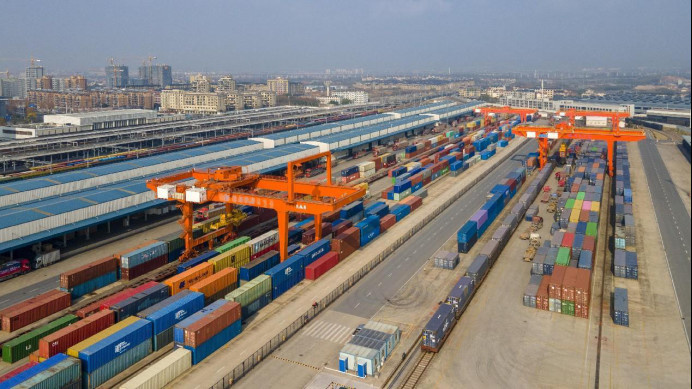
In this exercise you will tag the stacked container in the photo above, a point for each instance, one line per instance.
(162, 372)
(85, 279)
(235, 257)
(167, 313)
(369, 229)
(196, 261)
(346, 243)
(460, 295)
(22, 346)
(253, 295)
(217, 285)
(621, 315)
(446, 260)
(318, 268)
(211, 331)
(140, 301)
(34, 309)
(59, 371)
(107, 302)
(61, 340)
(141, 261)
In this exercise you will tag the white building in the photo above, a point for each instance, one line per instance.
(356, 97)
(103, 119)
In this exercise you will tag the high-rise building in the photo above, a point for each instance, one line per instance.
(192, 102)
(117, 76)
(296, 89)
(226, 84)
(156, 75)
(13, 88)
(45, 83)
(76, 82)
(200, 83)
(278, 85)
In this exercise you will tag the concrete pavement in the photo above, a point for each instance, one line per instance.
(674, 226)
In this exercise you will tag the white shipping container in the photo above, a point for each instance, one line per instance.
(162, 372)
(47, 259)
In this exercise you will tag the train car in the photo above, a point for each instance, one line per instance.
(438, 328)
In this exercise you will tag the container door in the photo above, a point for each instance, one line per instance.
(343, 364)
(362, 372)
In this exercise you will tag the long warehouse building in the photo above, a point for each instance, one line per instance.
(44, 208)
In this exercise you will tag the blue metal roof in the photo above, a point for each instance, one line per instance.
(427, 107)
(326, 126)
(40, 209)
(443, 111)
(370, 129)
(83, 174)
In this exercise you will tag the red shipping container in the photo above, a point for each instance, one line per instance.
(581, 311)
(426, 180)
(89, 310)
(584, 215)
(211, 324)
(330, 216)
(308, 226)
(383, 195)
(589, 244)
(425, 161)
(582, 287)
(387, 222)
(341, 227)
(249, 222)
(378, 163)
(417, 178)
(18, 370)
(568, 239)
(346, 243)
(542, 298)
(316, 269)
(34, 309)
(61, 340)
(108, 301)
(413, 201)
(555, 283)
(88, 272)
(569, 284)
(146, 267)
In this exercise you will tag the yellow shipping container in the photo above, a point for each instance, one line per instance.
(236, 258)
(74, 350)
(184, 280)
(470, 124)
(595, 206)
(217, 282)
(574, 216)
(578, 204)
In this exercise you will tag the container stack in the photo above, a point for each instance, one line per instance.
(107, 302)
(167, 313)
(59, 371)
(621, 314)
(347, 242)
(184, 280)
(366, 169)
(34, 309)
(625, 238)
(162, 372)
(220, 284)
(22, 346)
(86, 279)
(59, 341)
(140, 301)
(143, 260)
(206, 331)
(253, 295)
(445, 260)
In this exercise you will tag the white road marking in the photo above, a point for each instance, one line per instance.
(356, 306)
(218, 371)
(389, 275)
(368, 295)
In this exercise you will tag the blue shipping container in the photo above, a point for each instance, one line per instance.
(351, 210)
(314, 251)
(379, 208)
(286, 274)
(256, 305)
(33, 371)
(215, 342)
(369, 229)
(292, 249)
(143, 255)
(196, 261)
(172, 310)
(438, 326)
(141, 301)
(93, 284)
(260, 265)
(109, 348)
(400, 211)
(99, 376)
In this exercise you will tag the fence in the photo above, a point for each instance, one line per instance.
(248, 364)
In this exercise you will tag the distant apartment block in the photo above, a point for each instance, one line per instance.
(156, 75)
(356, 97)
(117, 76)
(76, 101)
(192, 102)
(278, 85)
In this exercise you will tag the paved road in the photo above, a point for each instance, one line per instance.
(30, 291)
(674, 225)
(384, 281)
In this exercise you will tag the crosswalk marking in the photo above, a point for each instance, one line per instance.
(329, 331)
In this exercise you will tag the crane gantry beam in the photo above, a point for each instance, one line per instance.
(522, 112)
(229, 185)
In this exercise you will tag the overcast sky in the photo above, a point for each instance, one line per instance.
(376, 35)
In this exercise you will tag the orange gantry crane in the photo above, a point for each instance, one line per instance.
(567, 130)
(522, 112)
(229, 185)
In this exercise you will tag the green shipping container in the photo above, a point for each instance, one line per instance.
(232, 244)
(26, 344)
(567, 307)
(581, 195)
(569, 204)
(592, 229)
(563, 257)
(251, 290)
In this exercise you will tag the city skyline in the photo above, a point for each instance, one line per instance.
(378, 36)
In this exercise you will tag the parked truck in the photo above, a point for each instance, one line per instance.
(14, 268)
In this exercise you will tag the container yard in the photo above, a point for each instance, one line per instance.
(458, 242)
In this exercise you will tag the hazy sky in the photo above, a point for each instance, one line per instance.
(376, 35)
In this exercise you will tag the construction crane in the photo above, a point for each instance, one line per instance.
(567, 130)
(230, 185)
(522, 112)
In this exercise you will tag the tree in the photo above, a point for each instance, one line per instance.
(488, 98)
(3, 121)
(345, 101)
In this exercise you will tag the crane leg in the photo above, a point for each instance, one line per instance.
(611, 151)
(187, 221)
(318, 227)
(542, 151)
(282, 217)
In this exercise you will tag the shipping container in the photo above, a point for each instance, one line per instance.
(129, 357)
(92, 285)
(140, 301)
(369, 229)
(219, 284)
(184, 280)
(59, 371)
(213, 344)
(162, 372)
(33, 309)
(144, 268)
(61, 340)
(142, 255)
(253, 295)
(167, 313)
(87, 272)
(235, 257)
(20, 347)
(347, 243)
(318, 268)
(197, 333)
(196, 261)
(16, 371)
(109, 348)
(460, 295)
(620, 309)
(314, 251)
(478, 269)
(438, 328)
(232, 244)
(75, 349)
(286, 274)
(466, 236)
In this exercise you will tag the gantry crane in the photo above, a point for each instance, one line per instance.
(567, 130)
(522, 112)
(230, 185)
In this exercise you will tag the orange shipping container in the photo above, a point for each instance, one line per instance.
(184, 280)
(224, 279)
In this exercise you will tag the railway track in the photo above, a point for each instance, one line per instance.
(421, 365)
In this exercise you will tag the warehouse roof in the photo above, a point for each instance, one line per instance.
(424, 108)
(410, 122)
(327, 126)
(82, 174)
(41, 209)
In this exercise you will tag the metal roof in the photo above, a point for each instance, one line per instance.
(82, 174)
(369, 129)
(424, 108)
(453, 108)
(40, 209)
(327, 126)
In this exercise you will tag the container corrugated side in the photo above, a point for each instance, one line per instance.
(64, 374)
(173, 310)
(91, 380)
(120, 342)
(213, 344)
(184, 280)
(61, 340)
(225, 279)
(33, 371)
(251, 291)
(77, 348)
(22, 346)
(204, 329)
(179, 330)
(162, 372)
